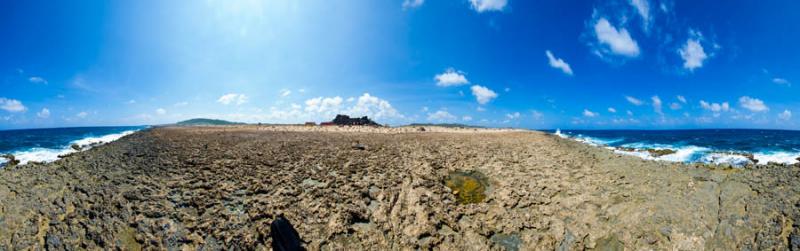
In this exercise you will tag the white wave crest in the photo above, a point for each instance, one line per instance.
(102, 139)
(725, 158)
(49, 155)
(685, 154)
(776, 157)
(559, 134)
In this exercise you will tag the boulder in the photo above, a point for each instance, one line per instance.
(12, 161)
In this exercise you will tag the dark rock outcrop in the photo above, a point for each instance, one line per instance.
(347, 120)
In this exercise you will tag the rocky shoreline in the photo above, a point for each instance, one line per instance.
(347, 188)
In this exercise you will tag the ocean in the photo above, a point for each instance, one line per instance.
(737, 147)
(45, 145)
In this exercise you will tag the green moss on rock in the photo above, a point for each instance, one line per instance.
(468, 187)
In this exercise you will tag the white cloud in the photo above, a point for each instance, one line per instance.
(285, 92)
(130, 102)
(657, 104)
(232, 98)
(369, 105)
(301, 90)
(410, 4)
(675, 106)
(618, 41)
(480, 109)
(488, 5)
(466, 118)
(37, 80)
(643, 7)
(634, 101)
(693, 54)
(536, 115)
(752, 104)
(44, 113)
(82, 115)
(323, 105)
(558, 63)
(161, 111)
(441, 115)
(682, 99)
(514, 115)
(715, 107)
(179, 104)
(590, 114)
(483, 94)
(785, 115)
(351, 99)
(781, 81)
(629, 112)
(12, 105)
(450, 77)
(612, 110)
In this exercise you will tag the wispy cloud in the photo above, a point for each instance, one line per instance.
(44, 113)
(411, 4)
(634, 101)
(37, 80)
(589, 114)
(513, 115)
(643, 8)
(12, 105)
(161, 111)
(441, 115)
(613, 40)
(752, 104)
(657, 105)
(232, 98)
(285, 92)
(785, 115)
(558, 63)
(781, 81)
(488, 5)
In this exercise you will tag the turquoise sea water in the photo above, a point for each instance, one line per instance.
(708, 145)
(46, 145)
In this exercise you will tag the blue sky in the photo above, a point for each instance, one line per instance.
(638, 64)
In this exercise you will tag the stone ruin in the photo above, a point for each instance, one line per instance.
(343, 120)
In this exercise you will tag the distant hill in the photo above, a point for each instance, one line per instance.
(453, 125)
(206, 122)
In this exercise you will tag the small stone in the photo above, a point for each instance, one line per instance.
(75, 147)
(359, 146)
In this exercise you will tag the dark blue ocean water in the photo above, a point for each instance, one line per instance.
(46, 144)
(709, 145)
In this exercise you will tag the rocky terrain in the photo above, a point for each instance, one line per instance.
(352, 188)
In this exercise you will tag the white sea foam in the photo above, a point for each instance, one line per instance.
(40, 155)
(688, 153)
(595, 141)
(776, 157)
(640, 154)
(685, 154)
(558, 133)
(50, 155)
(725, 158)
(102, 139)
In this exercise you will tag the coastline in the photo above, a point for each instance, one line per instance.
(215, 187)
